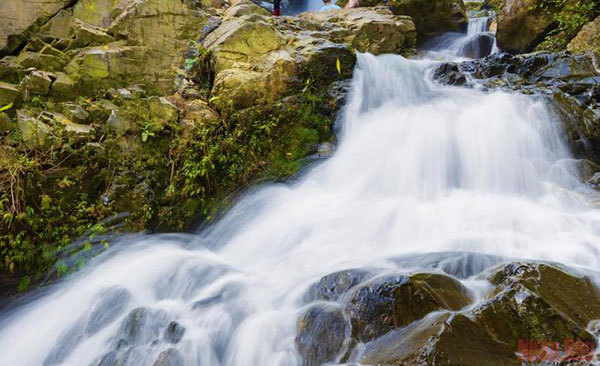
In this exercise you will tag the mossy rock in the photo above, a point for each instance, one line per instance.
(387, 303)
(439, 339)
(588, 39)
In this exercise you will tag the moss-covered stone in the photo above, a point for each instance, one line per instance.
(384, 304)
(588, 39)
(9, 93)
(439, 339)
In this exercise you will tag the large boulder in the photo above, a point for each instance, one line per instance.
(540, 303)
(522, 25)
(439, 339)
(20, 18)
(260, 59)
(588, 39)
(433, 17)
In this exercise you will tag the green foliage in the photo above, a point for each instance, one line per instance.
(570, 16)
(6, 107)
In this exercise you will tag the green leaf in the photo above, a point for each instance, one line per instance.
(338, 65)
(6, 107)
(213, 99)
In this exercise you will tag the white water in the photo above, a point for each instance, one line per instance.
(420, 168)
(477, 42)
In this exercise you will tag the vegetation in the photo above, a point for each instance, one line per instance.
(569, 16)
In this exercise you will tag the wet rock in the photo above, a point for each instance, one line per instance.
(588, 38)
(522, 25)
(334, 285)
(439, 339)
(170, 357)
(141, 326)
(174, 332)
(536, 302)
(478, 46)
(461, 265)
(322, 331)
(110, 359)
(338, 92)
(450, 74)
(384, 304)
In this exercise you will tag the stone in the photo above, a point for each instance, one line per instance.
(37, 83)
(170, 357)
(322, 331)
(67, 32)
(162, 111)
(74, 132)
(334, 285)
(118, 123)
(9, 93)
(100, 13)
(75, 112)
(478, 46)
(35, 133)
(41, 61)
(522, 25)
(439, 339)
(391, 302)
(11, 71)
(20, 19)
(174, 332)
(588, 38)
(63, 87)
(433, 17)
(5, 123)
(141, 326)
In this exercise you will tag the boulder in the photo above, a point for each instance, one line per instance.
(439, 339)
(478, 46)
(67, 32)
(73, 132)
(35, 133)
(37, 83)
(522, 25)
(63, 87)
(541, 303)
(5, 123)
(433, 17)
(391, 302)
(20, 18)
(174, 332)
(9, 93)
(260, 59)
(11, 71)
(334, 285)
(162, 111)
(588, 38)
(100, 13)
(42, 61)
(321, 335)
(170, 357)
(75, 112)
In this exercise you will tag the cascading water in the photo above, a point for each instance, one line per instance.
(420, 168)
(478, 42)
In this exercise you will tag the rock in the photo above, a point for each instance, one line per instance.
(322, 331)
(11, 71)
(258, 59)
(374, 30)
(108, 306)
(439, 339)
(334, 285)
(41, 61)
(75, 112)
(433, 17)
(9, 93)
(540, 303)
(174, 332)
(387, 303)
(588, 38)
(37, 83)
(162, 111)
(141, 326)
(478, 46)
(170, 357)
(5, 123)
(74, 132)
(63, 87)
(35, 133)
(20, 19)
(100, 13)
(118, 123)
(67, 32)
(522, 25)
(450, 74)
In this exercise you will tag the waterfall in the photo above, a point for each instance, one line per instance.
(421, 168)
(478, 25)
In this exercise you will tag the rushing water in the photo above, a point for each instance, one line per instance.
(420, 168)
